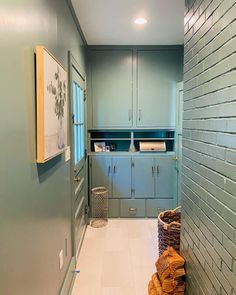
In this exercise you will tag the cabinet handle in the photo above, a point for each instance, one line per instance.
(158, 170)
(139, 115)
(133, 210)
(152, 170)
(114, 169)
(109, 170)
(129, 115)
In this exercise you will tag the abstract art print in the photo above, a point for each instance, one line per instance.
(52, 106)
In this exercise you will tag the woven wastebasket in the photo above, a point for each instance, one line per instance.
(169, 225)
(99, 207)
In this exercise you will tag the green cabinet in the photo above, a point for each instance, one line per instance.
(133, 87)
(139, 185)
(144, 177)
(155, 206)
(132, 208)
(111, 88)
(121, 177)
(157, 76)
(154, 177)
(112, 172)
(166, 177)
(101, 172)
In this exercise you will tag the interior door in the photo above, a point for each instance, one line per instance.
(121, 177)
(158, 74)
(144, 177)
(78, 157)
(111, 88)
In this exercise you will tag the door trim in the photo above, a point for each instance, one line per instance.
(73, 64)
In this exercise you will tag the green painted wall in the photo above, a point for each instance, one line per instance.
(34, 199)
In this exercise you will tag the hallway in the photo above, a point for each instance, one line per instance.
(118, 259)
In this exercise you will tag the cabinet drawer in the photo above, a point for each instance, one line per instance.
(113, 208)
(132, 208)
(154, 207)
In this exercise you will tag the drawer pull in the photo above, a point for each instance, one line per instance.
(133, 210)
(158, 169)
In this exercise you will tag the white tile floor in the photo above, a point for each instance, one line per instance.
(118, 259)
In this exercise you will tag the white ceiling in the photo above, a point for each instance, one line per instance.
(110, 22)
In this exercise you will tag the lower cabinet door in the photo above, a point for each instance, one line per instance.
(165, 177)
(121, 170)
(154, 207)
(101, 172)
(144, 177)
(132, 208)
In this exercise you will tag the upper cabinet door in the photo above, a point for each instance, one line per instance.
(121, 177)
(111, 88)
(158, 74)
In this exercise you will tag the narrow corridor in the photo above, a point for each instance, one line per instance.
(118, 259)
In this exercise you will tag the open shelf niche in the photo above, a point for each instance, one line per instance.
(128, 140)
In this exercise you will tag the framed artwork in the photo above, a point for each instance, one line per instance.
(52, 106)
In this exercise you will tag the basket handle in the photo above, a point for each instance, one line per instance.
(176, 209)
(166, 225)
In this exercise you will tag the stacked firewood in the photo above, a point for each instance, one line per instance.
(169, 278)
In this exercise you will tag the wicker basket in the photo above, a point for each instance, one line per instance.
(169, 224)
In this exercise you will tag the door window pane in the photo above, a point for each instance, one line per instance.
(78, 109)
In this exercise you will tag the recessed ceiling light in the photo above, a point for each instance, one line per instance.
(140, 21)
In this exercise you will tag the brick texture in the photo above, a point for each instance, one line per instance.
(208, 236)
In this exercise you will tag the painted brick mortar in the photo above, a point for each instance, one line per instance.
(208, 236)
